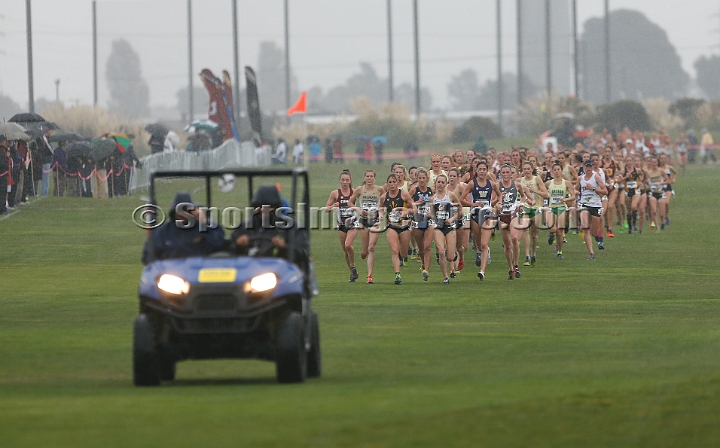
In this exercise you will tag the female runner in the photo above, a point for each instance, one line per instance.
(398, 206)
(609, 168)
(632, 179)
(657, 181)
(511, 194)
(483, 195)
(463, 231)
(672, 175)
(591, 189)
(642, 205)
(435, 168)
(444, 212)
(531, 213)
(340, 200)
(421, 194)
(562, 196)
(364, 201)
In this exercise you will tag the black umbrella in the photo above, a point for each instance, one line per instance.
(26, 117)
(42, 126)
(78, 149)
(67, 136)
(102, 148)
(157, 129)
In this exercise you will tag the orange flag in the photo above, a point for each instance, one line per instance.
(300, 107)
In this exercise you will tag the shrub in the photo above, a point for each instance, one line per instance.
(686, 109)
(93, 121)
(475, 127)
(626, 113)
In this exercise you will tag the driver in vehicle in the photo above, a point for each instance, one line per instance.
(259, 235)
(172, 240)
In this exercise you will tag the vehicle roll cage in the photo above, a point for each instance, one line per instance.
(297, 174)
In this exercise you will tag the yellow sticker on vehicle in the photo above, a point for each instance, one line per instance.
(217, 275)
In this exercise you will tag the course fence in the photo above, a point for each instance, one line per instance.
(231, 154)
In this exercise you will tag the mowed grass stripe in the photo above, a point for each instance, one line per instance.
(622, 350)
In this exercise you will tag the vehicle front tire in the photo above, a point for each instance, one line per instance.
(314, 360)
(146, 367)
(290, 354)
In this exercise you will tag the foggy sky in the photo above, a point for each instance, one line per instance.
(328, 39)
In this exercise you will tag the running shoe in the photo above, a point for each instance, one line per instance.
(629, 231)
(369, 280)
(625, 226)
(601, 246)
(667, 221)
(410, 251)
(517, 272)
(511, 275)
(478, 256)
(551, 239)
(582, 234)
(425, 275)
(662, 226)
(401, 260)
(489, 257)
(652, 225)
(461, 265)
(610, 233)
(556, 249)
(564, 240)
(363, 255)
(591, 257)
(453, 274)
(446, 281)
(527, 261)
(353, 274)
(405, 260)
(560, 256)
(639, 232)
(398, 280)
(492, 237)
(437, 257)
(481, 275)
(533, 260)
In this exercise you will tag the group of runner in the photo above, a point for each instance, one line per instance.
(465, 199)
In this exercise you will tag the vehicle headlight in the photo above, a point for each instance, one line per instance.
(173, 284)
(261, 283)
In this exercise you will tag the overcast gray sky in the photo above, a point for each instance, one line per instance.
(328, 38)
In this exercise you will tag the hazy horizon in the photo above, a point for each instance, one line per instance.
(328, 40)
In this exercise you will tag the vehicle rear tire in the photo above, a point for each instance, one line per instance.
(290, 354)
(146, 368)
(167, 369)
(314, 359)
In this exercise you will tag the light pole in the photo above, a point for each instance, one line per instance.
(417, 61)
(390, 54)
(190, 62)
(57, 91)
(499, 65)
(31, 96)
(607, 51)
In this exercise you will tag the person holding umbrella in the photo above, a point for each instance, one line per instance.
(59, 164)
(4, 172)
(44, 157)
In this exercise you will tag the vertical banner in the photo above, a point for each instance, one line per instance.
(226, 88)
(217, 111)
(253, 103)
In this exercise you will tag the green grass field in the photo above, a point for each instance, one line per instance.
(620, 351)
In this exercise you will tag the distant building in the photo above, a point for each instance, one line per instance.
(532, 17)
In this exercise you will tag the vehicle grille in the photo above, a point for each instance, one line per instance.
(213, 303)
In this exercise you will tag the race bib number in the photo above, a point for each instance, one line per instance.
(557, 199)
